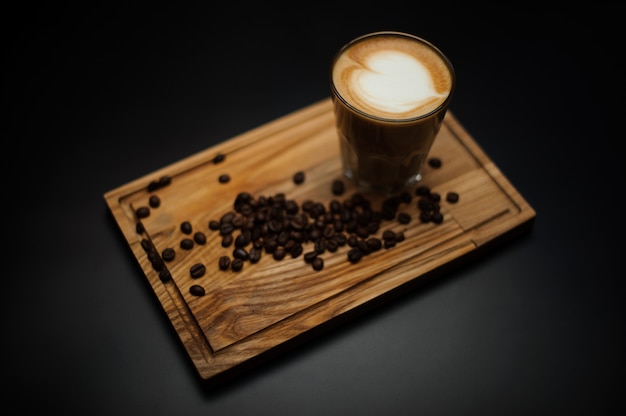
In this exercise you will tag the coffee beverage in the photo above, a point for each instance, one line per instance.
(390, 91)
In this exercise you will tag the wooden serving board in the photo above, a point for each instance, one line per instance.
(248, 314)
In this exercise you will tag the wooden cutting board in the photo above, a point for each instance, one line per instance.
(250, 314)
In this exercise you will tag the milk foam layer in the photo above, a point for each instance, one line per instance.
(392, 77)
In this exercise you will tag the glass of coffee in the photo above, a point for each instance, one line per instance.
(390, 92)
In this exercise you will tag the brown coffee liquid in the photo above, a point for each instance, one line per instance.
(391, 92)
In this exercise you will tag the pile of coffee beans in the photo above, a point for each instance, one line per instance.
(280, 227)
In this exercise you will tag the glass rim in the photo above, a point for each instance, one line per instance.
(438, 51)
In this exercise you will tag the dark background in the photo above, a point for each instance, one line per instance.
(95, 97)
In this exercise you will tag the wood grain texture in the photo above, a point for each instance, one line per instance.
(248, 313)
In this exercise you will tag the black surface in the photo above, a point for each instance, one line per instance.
(96, 97)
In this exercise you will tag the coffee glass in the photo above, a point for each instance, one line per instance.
(390, 93)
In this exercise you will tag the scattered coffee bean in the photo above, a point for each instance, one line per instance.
(186, 243)
(139, 228)
(452, 197)
(197, 270)
(255, 254)
(199, 237)
(240, 253)
(404, 218)
(434, 162)
(317, 263)
(197, 290)
(214, 225)
(185, 227)
(227, 240)
(168, 254)
(437, 217)
(298, 177)
(374, 244)
(224, 178)
(389, 243)
(279, 253)
(154, 201)
(310, 256)
(157, 261)
(338, 187)
(236, 265)
(142, 212)
(354, 255)
(224, 262)
(146, 245)
(165, 275)
(160, 183)
(220, 157)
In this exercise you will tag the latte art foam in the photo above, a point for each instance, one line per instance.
(392, 77)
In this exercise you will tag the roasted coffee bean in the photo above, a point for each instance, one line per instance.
(270, 246)
(437, 217)
(146, 245)
(219, 158)
(361, 231)
(310, 256)
(426, 204)
(197, 270)
(255, 254)
(279, 253)
(186, 243)
(362, 245)
(165, 275)
(320, 245)
(242, 240)
(426, 216)
(224, 262)
(199, 237)
(434, 196)
(317, 263)
(399, 237)
(389, 235)
(298, 177)
(236, 265)
(185, 227)
(296, 250)
(227, 240)
(139, 228)
(338, 187)
(142, 212)
(162, 182)
(404, 218)
(434, 162)
(240, 253)
(452, 197)
(197, 290)
(373, 227)
(374, 244)
(354, 255)
(224, 178)
(157, 262)
(226, 228)
(168, 254)
(214, 225)
(154, 201)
